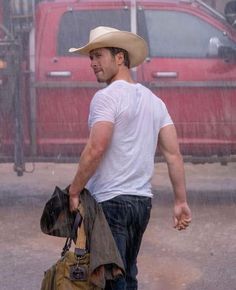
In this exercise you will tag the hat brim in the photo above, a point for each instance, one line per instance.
(132, 43)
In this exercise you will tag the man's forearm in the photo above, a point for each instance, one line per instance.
(170, 148)
(88, 164)
(177, 177)
(98, 142)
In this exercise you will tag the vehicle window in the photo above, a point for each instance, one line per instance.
(177, 34)
(75, 26)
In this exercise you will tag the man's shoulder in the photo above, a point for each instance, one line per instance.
(117, 88)
(110, 90)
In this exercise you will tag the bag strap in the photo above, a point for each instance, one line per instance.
(76, 225)
(80, 245)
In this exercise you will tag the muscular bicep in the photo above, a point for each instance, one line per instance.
(100, 136)
(168, 142)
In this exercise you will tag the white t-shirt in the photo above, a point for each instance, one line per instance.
(138, 115)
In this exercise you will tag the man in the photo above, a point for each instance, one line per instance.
(126, 121)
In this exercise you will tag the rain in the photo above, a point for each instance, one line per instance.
(45, 94)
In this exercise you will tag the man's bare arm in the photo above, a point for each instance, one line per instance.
(98, 142)
(169, 147)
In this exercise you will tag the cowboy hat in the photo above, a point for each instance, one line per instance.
(110, 37)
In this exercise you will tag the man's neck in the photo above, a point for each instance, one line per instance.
(123, 74)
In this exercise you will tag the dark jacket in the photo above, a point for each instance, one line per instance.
(105, 259)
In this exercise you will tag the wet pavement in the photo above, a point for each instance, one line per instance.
(201, 258)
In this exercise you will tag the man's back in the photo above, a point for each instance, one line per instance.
(138, 115)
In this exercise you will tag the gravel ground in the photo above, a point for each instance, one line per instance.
(200, 258)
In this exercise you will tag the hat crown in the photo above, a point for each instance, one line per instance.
(103, 36)
(100, 31)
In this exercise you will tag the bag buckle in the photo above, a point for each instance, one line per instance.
(80, 252)
(78, 273)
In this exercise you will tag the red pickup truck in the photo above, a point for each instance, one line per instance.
(191, 66)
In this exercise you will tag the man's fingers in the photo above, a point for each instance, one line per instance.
(186, 222)
(74, 203)
(182, 224)
(176, 222)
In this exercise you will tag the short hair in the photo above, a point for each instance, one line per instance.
(116, 50)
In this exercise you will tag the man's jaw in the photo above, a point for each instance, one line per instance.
(99, 75)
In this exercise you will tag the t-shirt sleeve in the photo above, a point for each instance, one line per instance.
(165, 116)
(102, 108)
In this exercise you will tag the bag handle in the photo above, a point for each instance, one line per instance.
(76, 225)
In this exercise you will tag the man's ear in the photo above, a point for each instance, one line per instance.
(120, 58)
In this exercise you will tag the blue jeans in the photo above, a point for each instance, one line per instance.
(127, 217)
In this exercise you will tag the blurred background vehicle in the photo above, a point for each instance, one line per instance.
(45, 92)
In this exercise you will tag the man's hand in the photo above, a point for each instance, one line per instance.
(74, 199)
(182, 216)
(74, 203)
